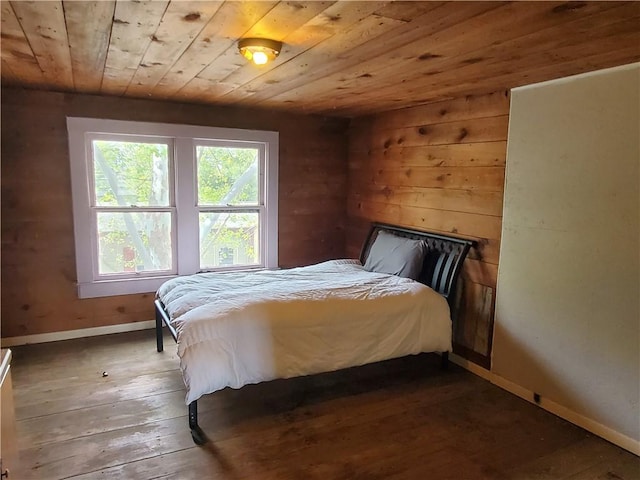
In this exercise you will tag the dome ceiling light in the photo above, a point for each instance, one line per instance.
(259, 50)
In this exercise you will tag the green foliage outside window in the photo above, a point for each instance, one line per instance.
(227, 176)
(128, 173)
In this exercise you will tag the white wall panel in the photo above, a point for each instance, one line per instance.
(568, 295)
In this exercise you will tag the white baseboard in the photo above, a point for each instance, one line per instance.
(561, 411)
(80, 333)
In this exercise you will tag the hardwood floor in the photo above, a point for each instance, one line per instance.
(401, 419)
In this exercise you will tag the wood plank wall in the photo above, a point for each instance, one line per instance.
(438, 167)
(38, 257)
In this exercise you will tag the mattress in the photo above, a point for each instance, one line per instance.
(236, 329)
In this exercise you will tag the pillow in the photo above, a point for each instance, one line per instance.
(396, 255)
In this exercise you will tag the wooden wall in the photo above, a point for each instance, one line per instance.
(438, 167)
(38, 258)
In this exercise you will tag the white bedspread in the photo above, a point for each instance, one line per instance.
(237, 328)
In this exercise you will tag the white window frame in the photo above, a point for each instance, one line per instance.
(262, 191)
(95, 209)
(186, 228)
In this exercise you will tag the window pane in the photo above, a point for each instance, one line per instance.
(134, 242)
(227, 176)
(128, 173)
(228, 239)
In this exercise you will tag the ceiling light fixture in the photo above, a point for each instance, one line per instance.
(259, 50)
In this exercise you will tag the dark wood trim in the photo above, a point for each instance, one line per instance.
(475, 357)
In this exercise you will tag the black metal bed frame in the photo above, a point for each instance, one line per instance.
(197, 434)
(442, 266)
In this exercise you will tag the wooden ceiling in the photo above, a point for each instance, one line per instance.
(342, 58)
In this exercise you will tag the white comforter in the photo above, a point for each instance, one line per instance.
(237, 328)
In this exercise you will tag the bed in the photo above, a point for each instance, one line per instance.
(239, 328)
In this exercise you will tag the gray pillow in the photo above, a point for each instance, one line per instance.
(396, 255)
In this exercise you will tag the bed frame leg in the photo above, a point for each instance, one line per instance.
(159, 339)
(196, 432)
(444, 361)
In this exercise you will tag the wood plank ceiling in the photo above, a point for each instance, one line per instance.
(343, 58)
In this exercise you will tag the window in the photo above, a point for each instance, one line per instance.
(229, 203)
(132, 195)
(152, 201)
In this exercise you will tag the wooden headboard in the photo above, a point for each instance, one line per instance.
(443, 261)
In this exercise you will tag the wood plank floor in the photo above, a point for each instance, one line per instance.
(401, 419)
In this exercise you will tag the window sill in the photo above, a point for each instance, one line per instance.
(132, 286)
(128, 286)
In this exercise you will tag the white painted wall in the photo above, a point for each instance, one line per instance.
(568, 295)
